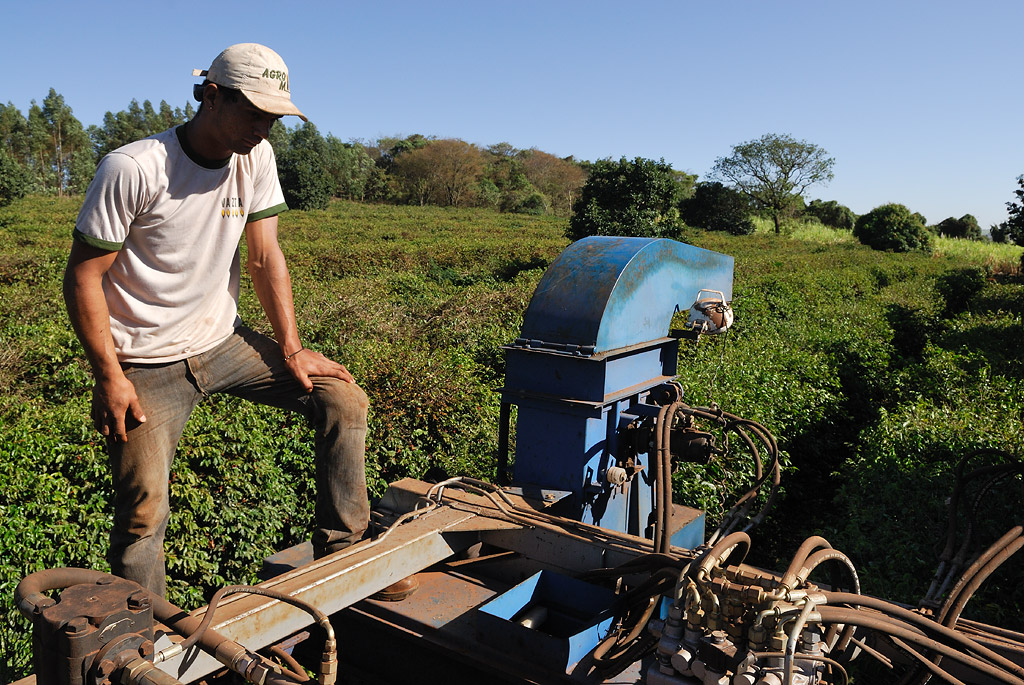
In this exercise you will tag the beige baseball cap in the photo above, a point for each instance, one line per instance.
(258, 72)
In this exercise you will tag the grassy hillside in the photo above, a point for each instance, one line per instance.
(877, 372)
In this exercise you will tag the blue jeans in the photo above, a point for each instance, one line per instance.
(250, 366)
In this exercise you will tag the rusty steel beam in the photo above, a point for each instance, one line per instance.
(344, 578)
(330, 584)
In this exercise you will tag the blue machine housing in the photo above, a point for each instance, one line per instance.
(594, 347)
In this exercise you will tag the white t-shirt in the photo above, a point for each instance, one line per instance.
(172, 290)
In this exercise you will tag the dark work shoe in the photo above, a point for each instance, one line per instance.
(397, 591)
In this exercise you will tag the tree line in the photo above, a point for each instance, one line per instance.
(49, 151)
(768, 176)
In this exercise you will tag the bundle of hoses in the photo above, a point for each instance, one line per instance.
(907, 630)
(662, 463)
(838, 613)
(29, 597)
(953, 558)
(976, 574)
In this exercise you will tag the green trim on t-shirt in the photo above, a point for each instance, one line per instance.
(264, 213)
(108, 245)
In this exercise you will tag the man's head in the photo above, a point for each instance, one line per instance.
(258, 73)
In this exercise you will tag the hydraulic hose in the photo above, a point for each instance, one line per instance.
(932, 668)
(722, 550)
(926, 625)
(808, 546)
(794, 633)
(662, 483)
(329, 661)
(969, 581)
(955, 603)
(911, 634)
(947, 560)
(820, 557)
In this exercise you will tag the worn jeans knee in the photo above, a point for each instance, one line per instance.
(338, 414)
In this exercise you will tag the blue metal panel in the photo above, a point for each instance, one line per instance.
(603, 293)
(578, 618)
(690, 535)
(560, 444)
(599, 378)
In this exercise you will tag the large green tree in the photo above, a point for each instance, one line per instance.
(629, 198)
(302, 168)
(774, 171)
(1013, 228)
(14, 136)
(13, 178)
(350, 167)
(505, 184)
(60, 153)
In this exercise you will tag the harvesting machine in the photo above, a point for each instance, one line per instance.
(576, 567)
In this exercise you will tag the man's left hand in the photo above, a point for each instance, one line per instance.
(306, 363)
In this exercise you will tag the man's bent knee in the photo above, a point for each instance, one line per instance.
(340, 401)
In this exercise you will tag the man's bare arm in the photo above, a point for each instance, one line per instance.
(114, 399)
(273, 286)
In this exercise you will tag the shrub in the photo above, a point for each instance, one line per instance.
(716, 207)
(959, 287)
(832, 214)
(638, 198)
(892, 227)
(964, 227)
(535, 203)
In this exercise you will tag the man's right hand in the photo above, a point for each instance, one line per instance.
(115, 408)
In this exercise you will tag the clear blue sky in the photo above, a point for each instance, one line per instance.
(918, 102)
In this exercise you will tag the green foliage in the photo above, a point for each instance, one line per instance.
(534, 203)
(1013, 228)
(504, 172)
(305, 178)
(875, 371)
(774, 171)
(832, 214)
(13, 179)
(558, 180)
(892, 227)
(999, 233)
(959, 288)
(135, 123)
(350, 166)
(716, 207)
(964, 227)
(638, 198)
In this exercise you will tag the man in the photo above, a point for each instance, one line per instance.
(151, 288)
